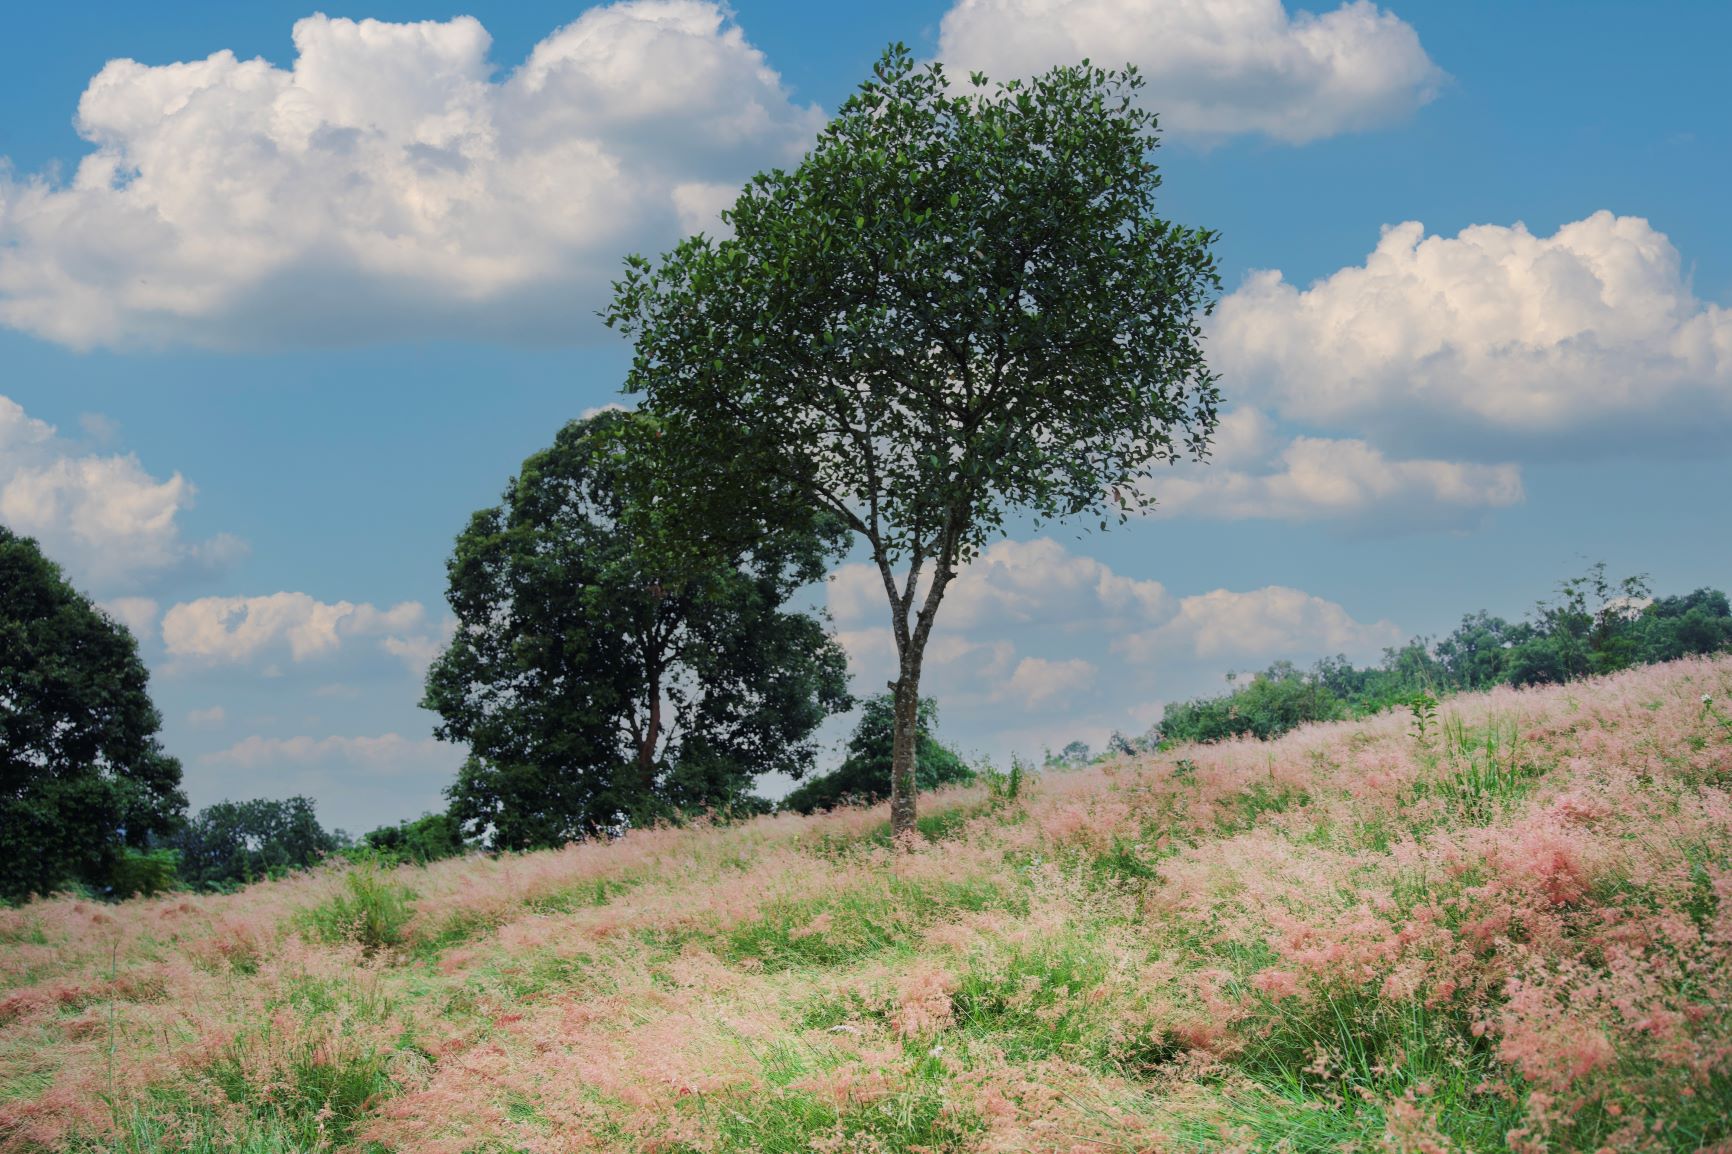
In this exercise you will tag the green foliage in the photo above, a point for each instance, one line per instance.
(232, 843)
(143, 872)
(1270, 704)
(601, 674)
(864, 775)
(1423, 707)
(792, 1118)
(1074, 755)
(958, 305)
(428, 838)
(82, 775)
(1594, 626)
(372, 910)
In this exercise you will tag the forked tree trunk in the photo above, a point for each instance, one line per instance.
(910, 649)
(906, 710)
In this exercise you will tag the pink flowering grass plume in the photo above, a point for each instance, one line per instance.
(1512, 932)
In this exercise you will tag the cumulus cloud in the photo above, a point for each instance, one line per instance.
(104, 517)
(385, 185)
(1491, 340)
(136, 613)
(388, 752)
(235, 630)
(1213, 69)
(1069, 609)
(1261, 625)
(215, 715)
(1253, 474)
(1036, 582)
(1038, 681)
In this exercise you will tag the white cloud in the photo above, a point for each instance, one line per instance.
(1217, 68)
(1038, 682)
(136, 613)
(388, 752)
(1491, 339)
(1015, 588)
(215, 715)
(1261, 625)
(232, 630)
(1315, 478)
(1036, 582)
(417, 651)
(104, 517)
(385, 185)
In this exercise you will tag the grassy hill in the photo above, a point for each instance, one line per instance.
(1507, 926)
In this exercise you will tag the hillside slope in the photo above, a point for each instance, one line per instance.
(1511, 927)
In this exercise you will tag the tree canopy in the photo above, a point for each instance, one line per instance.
(864, 775)
(235, 842)
(82, 774)
(601, 678)
(958, 306)
(1594, 625)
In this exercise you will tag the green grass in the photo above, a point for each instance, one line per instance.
(372, 911)
(788, 1119)
(851, 925)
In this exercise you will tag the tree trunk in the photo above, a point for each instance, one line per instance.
(646, 750)
(902, 747)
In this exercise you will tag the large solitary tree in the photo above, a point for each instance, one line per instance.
(959, 305)
(598, 676)
(82, 774)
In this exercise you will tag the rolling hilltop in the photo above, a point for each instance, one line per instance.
(1505, 925)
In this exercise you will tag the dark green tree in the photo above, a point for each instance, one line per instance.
(1271, 703)
(958, 306)
(1476, 655)
(599, 677)
(864, 775)
(82, 774)
(430, 837)
(232, 843)
(1673, 627)
(1589, 628)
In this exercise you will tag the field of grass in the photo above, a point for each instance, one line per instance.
(1509, 927)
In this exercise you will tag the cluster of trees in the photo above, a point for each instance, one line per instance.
(1594, 625)
(89, 798)
(960, 306)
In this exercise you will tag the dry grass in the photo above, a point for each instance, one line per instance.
(1512, 931)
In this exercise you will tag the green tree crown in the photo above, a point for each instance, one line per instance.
(598, 675)
(82, 773)
(958, 305)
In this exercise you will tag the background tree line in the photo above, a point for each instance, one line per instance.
(1594, 625)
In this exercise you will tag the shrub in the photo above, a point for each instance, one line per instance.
(864, 776)
(430, 837)
(371, 911)
(143, 872)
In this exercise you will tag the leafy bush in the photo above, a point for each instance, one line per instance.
(1272, 703)
(428, 838)
(864, 775)
(372, 911)
(143, 872)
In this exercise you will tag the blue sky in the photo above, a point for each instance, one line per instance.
(267, 337)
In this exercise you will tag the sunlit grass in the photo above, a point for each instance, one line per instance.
(1508, 928)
